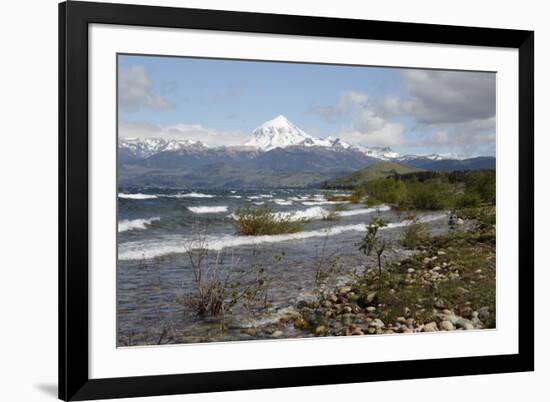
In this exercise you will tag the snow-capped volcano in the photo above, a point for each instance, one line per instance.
(281, 133)
(146, 147)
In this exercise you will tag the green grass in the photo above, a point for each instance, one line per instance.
(262, 221)
(471, 255)
(372, 172)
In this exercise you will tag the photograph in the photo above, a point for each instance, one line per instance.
(268, 200)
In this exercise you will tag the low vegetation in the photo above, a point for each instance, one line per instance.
(332, 213)
(378, 170)
(448, 284)
(371, 242)
(433, 191)
(414, 233)
(251, 221)
(218, 289)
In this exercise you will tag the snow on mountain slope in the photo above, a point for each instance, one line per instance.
(146, 147)
(281, 133)
(384, 153)
(276, 133)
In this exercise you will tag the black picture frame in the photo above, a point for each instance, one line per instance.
(74, 18)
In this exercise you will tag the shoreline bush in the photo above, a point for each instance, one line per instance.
(262, 221)
(438, 191)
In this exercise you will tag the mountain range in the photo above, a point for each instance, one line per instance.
(278, 154)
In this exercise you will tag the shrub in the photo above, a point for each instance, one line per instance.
(338, 197)
(413, 234)
(468, 200)
(216, 291)
(332, 212)
(425, 198)
(358, 194)
(372, 201)
(482, 183)
(262, 221)
(372, 243)
(387, 190)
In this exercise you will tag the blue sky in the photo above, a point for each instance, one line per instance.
(221, 102)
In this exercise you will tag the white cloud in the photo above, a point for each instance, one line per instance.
(136, 90)
(368, 126)
(209, 136)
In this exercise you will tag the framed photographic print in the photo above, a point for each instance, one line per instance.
(258, 200)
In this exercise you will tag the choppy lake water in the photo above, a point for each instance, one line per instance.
(154, 275)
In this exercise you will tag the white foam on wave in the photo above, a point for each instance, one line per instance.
(235, 196)
(137, 196)
(192, 194)
(279, 201)
(304, 214)
(352, 212)
(259, 196)
(135, 224)
(177, 244)
(321, 202)
(317, 212)
(208, 210)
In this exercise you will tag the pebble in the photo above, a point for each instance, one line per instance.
(277, 334)
(430, 327)
(376, 323)
(484, 313)
(370, 297)
(300, 323)
(410, 270)
(464, 323)
(371, 309)
(345, 289)
(357, 331)
(320, 330)
(446, 325)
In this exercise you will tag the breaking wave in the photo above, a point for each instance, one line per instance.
(321, 202)
(282, 202)
(192, 195)
(177, 244)
(208, 210)
(135, 224)
(137, 196)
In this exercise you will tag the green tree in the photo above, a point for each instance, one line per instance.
(371, 243)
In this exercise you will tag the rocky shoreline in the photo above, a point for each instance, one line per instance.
(447, 285)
